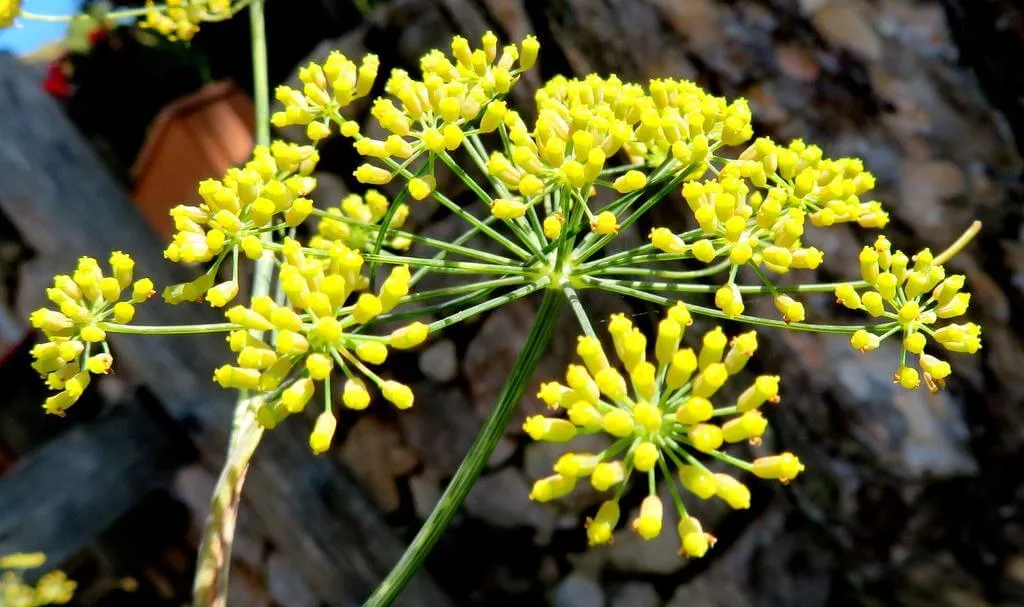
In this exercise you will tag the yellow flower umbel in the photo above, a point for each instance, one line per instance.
(313, 334)
(355, 223)
(269, 191)
(432, 115)
(76, 343)
(661, 414)
(180, 19)
(326, 89)
(915, 294)
(53, 588)
(9, 9)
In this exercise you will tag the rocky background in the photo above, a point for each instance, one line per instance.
(909, 498)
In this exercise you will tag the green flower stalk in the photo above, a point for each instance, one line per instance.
(551, 195)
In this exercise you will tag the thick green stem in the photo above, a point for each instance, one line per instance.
(479, 452)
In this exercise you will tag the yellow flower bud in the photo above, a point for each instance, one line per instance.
(290, 343)
(783, 467)
(256, 357)
(914, 343)
(712, 347)
(552, 487)
(618, 422)
(549, 429)
(670, 333)
(586, 416)
(421, 187)
(319, 366)
(409, 336)
(397, 394)
(99, 363)
(219, 295)
(367, 173)
(295, 396)
(553, 394)
(323, 432)
(93, 334)
(124, 312)
(142, 290)
(732, 491)
(553, 225)
(694, 411)
(373, 352)
(630, 181)
(601, 527)
(748, 426)
(355, 395)
(684, 363)
(648, 523)
(645, 456)
(705, 437)
(864, 341)
(907, 377)
(791, 309)
(694, 542)
(703, 250)
(605, 223)
(528, 56)
(611, 383)
(648, 416)
(235, 377)
(367, 307)
(764, 388)
(698, 481)
(110, 289)
(873, 303)
(607, 474)
(504, 208)
(576, 465)
(249, 319)
(710, 380)
(589, 349)
(643, 378)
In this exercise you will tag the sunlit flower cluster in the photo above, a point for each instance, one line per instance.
(180, 19)
(53, 588)
(914, 293)
(433, 114)
(314, 332)
(661, 417)
(356, 223)
(326, 90)
(268, 192)
(76, 345)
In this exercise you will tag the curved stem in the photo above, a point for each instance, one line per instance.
(479, 452)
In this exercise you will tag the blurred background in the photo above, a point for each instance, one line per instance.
(909, 498)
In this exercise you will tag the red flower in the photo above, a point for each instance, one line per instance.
(56, 82)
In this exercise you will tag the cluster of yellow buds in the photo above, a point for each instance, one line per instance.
(686, 123)
(76, 341)
(666, 421)
(356, 222)
(915, 293)
(9, 10)
(827, 191)
(580, 124)
(326, 89)
(53, 588)
(312, 334)
(434, 114)
(269, 191)
(180, 19)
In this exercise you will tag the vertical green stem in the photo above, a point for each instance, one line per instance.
(210, 588)
(479, 452)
